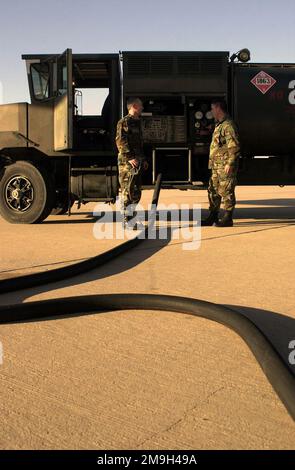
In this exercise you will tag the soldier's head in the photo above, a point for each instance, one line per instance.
(134, 105)
(218, 108)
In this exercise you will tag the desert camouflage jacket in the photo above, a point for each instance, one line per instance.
(225, 145)
(129, 139)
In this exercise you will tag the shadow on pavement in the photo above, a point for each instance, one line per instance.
(124, 262)
(279, 329)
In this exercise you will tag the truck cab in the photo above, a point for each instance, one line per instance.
(60, 82)
(71, 145)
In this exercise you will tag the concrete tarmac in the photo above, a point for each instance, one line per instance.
(143, 379)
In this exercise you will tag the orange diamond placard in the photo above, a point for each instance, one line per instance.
(263, 82)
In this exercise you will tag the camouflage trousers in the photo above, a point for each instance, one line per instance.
(222, 189)
(130, 184)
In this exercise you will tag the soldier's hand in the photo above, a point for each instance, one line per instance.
(228, 169)
(134, 162)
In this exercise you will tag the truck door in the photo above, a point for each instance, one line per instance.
(63, 104)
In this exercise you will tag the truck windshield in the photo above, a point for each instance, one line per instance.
(40, 80)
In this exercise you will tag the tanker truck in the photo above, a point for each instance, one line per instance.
(53, 153)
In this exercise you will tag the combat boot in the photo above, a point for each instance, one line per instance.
(226, 220)
(211, 219)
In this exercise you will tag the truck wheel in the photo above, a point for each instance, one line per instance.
(26, 193)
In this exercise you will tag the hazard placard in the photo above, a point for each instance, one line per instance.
(263, 82)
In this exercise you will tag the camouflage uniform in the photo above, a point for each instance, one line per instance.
(224, 150)
(129, 141)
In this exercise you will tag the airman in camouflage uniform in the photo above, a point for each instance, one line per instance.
(223, 162)
(131, 160)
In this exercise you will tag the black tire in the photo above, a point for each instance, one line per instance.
(33, 190)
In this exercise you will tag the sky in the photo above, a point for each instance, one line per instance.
(266, 27)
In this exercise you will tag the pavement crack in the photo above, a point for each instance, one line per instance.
(182, 418)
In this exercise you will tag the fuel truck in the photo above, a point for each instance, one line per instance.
(53, 154)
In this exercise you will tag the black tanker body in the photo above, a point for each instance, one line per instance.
(263, 105)
(176, 89)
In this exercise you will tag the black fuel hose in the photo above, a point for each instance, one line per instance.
(272, 364)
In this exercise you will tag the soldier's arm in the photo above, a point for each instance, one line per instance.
(122, 138)
(232, 143)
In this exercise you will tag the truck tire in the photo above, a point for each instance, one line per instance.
(26, 193)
